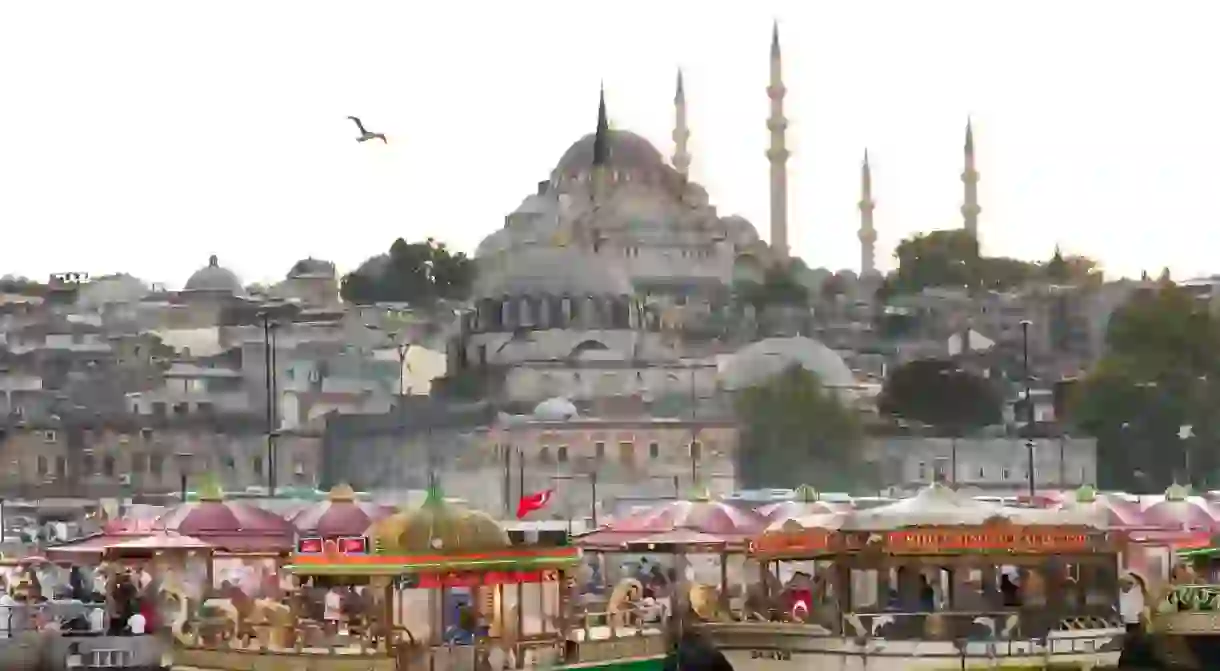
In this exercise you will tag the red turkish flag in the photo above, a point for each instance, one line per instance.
(531, 502)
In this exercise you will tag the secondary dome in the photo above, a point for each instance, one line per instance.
(629, 153)
(213, 278)
(437, 526)
(312, 267)
(555, 410)
(758, 362)
(556, 271)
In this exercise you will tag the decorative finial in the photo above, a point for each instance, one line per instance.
(341, 493)
(435, 496)
(1086, 494)
(211, 491)
(775, 52)
(680, 92)
(969, 135)
(701, 494)
(1177, 492)
(213, 262)
(806, 494)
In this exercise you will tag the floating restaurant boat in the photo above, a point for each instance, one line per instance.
(935, 581)
(443, 589)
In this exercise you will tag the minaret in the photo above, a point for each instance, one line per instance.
(777, 154)
(970, 182)
(868, 235)
(681, 131)
(601, 158)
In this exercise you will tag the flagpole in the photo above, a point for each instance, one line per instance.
(521, 472)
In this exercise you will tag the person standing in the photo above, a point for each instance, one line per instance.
(1131, 604)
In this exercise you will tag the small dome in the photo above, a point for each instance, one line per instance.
(556, 271)
(214, 279)
(629, 153)
(311, 267)
(757, 362)
(437, 526)
(555, 410)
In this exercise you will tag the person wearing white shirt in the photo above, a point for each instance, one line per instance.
(136, 624)
(97, 619)
(332, 609)
(9, 615)
(1131, 604)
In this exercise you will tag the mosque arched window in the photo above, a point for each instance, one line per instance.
(525, 316)
(567, 311)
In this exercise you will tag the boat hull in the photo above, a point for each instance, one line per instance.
(764, 647)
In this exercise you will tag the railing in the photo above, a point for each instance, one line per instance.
(1187, 610)
(69, 617)
(593, 637)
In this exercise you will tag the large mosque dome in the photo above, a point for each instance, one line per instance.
(629, 153)
(556, 271)
(757, 362)
(212, 278)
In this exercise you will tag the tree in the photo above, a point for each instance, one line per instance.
(416, 272)
(780, 286)
(951, 259)
(793, 431)
(937, 393)
(936, 259)
(1159, 374)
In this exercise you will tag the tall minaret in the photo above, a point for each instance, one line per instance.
(777, 154)
(868, 235)
(970, 182)
(681, 131)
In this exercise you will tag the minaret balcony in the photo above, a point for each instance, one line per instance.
(970, 176)
(971, 210)
(866, 205)
(777, 91)
(777, 124)
(778, 154)
(867, 235)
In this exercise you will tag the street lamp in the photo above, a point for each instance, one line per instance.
(402, 348)
(269, 368)
(1029, 404)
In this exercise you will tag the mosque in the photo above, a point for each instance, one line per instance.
(588, 290)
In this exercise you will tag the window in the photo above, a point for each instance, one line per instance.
(1006, 474)
(42, 465)
(626, 452)
(139, 462)
(49, 436)
(156, 465)
(544, 454)
(205, 408)
(87, 465)
(923, 472)
(158, 409)
(146, 434)
(182, 409)
(256, 465)
(562, 454)
(108, 466)
(654, 450)
(696, 449)
(982, 473)
(1083, 476)
(941, 469)
(61, 466)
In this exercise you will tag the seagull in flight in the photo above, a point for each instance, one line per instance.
(366, 135)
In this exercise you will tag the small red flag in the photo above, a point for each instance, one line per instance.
(531, 502)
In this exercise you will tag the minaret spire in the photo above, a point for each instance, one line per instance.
(777, 154)
(681, 158)
(867, 234)
(970, 181)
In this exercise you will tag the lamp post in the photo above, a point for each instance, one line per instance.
(269, 368)
(1029, 405)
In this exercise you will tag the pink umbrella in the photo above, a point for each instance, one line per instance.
(339, 515)
(1115, 510)
(702, 515)
(230, 525)
(1177, 511)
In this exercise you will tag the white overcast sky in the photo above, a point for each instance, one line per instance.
(144, 136)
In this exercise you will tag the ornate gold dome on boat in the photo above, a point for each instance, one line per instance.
(437, 526)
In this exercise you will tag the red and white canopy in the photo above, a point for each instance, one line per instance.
(712, 518)
(339, 515)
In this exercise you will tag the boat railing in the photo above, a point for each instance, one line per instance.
(973, 626)
(598, 636)
(1186, 610)
(69, 617)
